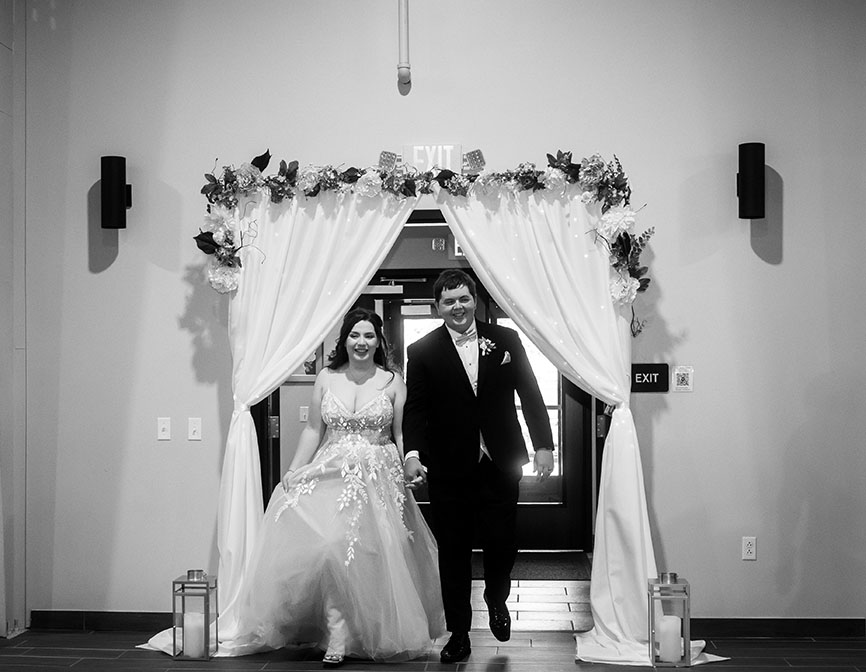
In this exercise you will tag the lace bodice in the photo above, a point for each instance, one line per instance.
(371, 422)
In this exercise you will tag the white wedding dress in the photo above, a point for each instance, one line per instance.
(344, 557)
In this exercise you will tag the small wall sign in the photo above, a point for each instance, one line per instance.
(426, 157)
(650, 378)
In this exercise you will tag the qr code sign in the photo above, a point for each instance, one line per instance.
(683, 378)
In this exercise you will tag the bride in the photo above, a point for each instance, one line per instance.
(344, 558)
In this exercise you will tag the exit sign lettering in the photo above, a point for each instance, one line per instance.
(427, 157)
(650, 378)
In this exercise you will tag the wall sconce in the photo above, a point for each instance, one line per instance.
(194, 616)
(669, 621)
(116, 193)
(750, 180)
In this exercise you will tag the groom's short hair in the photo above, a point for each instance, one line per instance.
(452, 279)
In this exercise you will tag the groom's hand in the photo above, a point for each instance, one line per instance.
(543, 464)
(414, 473)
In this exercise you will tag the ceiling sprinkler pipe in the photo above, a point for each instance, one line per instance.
(404, 72)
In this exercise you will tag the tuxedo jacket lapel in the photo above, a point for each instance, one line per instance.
(484, 361)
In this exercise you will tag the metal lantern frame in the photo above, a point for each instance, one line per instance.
(669, 595)
(194, 630)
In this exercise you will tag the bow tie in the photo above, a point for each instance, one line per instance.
(466, 337)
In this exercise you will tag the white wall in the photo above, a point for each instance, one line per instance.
(6, 302)
(12, 334)
(121, 328)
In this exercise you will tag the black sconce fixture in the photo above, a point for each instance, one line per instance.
(750, 180)
(116, 193)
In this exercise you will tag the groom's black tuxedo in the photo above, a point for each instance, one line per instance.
(444, 419)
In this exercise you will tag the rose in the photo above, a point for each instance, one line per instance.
(217, 217)
(615, 221)
(223, 279)
(591, 172)
(248, 176)
(308, 179)
(369, 184)
(554, 180)
(623, 289)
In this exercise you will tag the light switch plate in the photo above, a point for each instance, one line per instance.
(163, 429)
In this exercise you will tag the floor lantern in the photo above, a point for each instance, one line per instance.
(669, 614)
(194, 615)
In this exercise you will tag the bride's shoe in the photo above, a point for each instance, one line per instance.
(333, 659)
(338, 632)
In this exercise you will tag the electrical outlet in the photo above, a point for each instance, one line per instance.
(750, 548)
(163, 429)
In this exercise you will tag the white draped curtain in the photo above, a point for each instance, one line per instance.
(537, 255)
(305, 261)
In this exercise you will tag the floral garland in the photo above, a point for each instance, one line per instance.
(599, 181)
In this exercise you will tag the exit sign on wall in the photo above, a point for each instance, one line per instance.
(650, 378)
(426, 157)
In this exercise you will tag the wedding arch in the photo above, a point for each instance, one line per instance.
(557, 250)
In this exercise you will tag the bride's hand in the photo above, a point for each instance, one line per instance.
(287, 479)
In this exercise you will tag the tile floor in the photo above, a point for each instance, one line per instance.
(545, 616)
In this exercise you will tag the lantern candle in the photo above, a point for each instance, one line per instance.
(193, 635)
(670, 647)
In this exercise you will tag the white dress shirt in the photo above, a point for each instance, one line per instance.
(468, 353)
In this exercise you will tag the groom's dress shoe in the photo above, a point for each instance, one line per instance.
(456, 649)
(499, 620)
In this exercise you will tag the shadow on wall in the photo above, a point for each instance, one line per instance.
(659, 344)
(766, 233)
(206, 320)
(102, 244)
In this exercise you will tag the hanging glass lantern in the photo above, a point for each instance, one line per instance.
(669, 627)
(194, 616)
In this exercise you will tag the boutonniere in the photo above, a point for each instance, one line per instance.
(487, 346)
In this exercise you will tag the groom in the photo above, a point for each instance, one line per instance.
(462, 437)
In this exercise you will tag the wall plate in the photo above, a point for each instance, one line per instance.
(683, 378)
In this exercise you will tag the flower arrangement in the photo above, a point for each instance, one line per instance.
(600, 182)
(221, 237)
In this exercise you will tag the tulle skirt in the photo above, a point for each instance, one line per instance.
(344, 559)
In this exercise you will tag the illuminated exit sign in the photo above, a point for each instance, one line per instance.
(426, 157)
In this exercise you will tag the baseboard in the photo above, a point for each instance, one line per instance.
(701, 628)
(709, 628)
(117, 621)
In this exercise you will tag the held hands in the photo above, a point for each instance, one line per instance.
(543, 463)
(414, 473)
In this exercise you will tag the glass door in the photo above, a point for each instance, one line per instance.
(554, 514)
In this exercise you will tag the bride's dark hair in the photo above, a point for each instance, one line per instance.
(340, 357)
